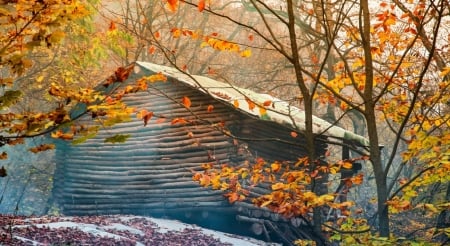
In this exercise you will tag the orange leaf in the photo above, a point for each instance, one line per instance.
(190, 134)
(262, 111)
(294, 134)
(160, 120)
(179, 121)
(151, 49)
(112, 26)
(267, 103)
(157, 35)
(184, 68)
(236, 103)
(250, 37)
(210, 108)
(347, 165)
(201, 5)
(186, 102)
(275, 167)
(211, 71)
(251, 104)
(175, 32)
(172, 4)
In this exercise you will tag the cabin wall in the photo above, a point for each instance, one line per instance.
(151, 173)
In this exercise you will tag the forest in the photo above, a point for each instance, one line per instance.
(371, 80)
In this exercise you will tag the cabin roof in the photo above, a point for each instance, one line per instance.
(278, 111)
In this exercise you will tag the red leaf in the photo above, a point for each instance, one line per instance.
(210, 108)
(201, 5)
(186, 102)
(112, 26)
(250, 37)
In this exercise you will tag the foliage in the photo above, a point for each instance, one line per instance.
(386, 68)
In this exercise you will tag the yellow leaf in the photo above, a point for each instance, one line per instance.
(275, 167)
(262, 111)
(278, 186)
(327, 197)
(40, 79)
(246, 53)
(431, 207)
(444, 72)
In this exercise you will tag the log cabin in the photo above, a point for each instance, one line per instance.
(151, 173)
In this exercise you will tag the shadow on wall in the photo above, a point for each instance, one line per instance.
(27, 187)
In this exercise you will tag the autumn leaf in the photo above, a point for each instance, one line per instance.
(61, 135)
(251, 104)
(186, 102)
(172, 4)
(267, 103)
(276, 166)
(236, 103)
(210, 108)
(347, 165)
(42, 147)
(3, 156)
(250, 37)
(118, 138)
(294, 134)
(278, 186)
(112, 26)
(246, 53)
(201, 5)
(122, 73)
(3, 172)
(151, 49)
(179, 121)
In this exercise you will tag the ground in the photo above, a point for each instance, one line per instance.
(111, 230)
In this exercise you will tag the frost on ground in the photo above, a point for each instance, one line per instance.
(111, 230)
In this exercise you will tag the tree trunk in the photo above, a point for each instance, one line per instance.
(380, 176)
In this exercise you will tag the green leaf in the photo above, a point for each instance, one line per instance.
(119, 138)
(9, 98)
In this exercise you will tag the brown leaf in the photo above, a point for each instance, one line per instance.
(3, 156)
(3, 172)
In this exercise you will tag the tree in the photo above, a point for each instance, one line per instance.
(371, 59)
